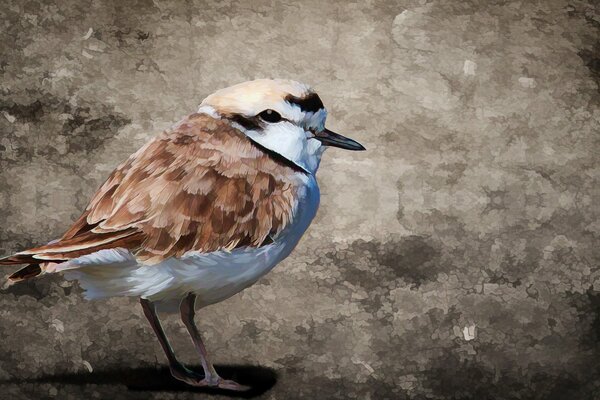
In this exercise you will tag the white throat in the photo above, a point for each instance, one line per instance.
(291, 142)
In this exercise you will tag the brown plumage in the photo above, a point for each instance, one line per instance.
(201, 186)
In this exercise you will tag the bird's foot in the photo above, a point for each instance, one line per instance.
(229, 385)
(186, 375)
(212, 381)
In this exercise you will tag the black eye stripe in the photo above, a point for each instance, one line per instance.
(256, 123)
(251, 124)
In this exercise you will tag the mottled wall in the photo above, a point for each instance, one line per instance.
(456, 259)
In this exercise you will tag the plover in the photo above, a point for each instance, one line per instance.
(200, 212)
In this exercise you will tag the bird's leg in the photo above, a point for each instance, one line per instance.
(178, 370)
(187, 316)
(211, 378)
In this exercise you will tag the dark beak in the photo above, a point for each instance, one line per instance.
(329, 138)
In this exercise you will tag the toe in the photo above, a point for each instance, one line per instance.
(188, 376)
(192, 378)
(231, 385)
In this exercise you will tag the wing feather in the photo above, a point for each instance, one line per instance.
(202, 186)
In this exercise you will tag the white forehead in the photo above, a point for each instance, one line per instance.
(252, 97)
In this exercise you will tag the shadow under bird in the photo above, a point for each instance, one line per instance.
(202, 211)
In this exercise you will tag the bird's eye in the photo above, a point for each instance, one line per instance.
(270, 116)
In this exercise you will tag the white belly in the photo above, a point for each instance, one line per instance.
(213, 277)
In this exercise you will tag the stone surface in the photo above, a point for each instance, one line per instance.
(456, 259)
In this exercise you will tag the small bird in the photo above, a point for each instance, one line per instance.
(201, 211)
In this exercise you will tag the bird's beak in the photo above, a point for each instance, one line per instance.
(329, 138)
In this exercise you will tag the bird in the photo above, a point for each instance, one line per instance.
(200, 212)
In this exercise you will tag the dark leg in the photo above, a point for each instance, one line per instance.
(211, 378)
(178, 370)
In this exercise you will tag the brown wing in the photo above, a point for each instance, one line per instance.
(202, 186)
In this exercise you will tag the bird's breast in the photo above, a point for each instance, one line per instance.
(304, 211)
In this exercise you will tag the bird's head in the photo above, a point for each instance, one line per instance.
(282, 116)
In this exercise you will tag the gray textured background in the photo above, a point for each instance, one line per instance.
(476, 206)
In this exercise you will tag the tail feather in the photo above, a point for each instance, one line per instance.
(43, 259)
(17, 259)
(30, 271)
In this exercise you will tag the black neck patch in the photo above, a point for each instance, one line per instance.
(278, 157)
(310, 103)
